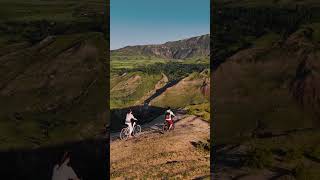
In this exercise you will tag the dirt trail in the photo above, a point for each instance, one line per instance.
(154, 155)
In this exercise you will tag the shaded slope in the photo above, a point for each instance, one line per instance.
(265, 72)
(53, 86)
(270, 86)
(53, 80)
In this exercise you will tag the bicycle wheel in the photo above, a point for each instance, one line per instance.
(124, 134)
(165, 127)
(137, 130)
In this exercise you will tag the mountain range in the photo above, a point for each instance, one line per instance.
(181, 49)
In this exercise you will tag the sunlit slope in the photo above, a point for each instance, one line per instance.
(186, 92)
(181, 154)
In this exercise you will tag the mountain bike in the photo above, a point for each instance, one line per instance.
(166, 125)
(125, 132)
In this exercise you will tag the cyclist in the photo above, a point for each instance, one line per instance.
(128, 122)
(168, 117)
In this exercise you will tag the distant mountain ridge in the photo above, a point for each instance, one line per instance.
(181, 49)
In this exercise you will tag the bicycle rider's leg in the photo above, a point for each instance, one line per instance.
(170, 123)
(167, 123)
(130, 129)
(134, 123)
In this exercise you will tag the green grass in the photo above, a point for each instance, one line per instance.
(77, 122)
(197, 60)
(303, 172)
(314, 152)
(201, 110)
(180, 96)
(294, 154)
(133, 62)
(266, 40)
(316, 31)
(56, 10)
(126, 64)
(128, 96)
(259, 158)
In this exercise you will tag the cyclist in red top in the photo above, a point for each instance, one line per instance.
(168, 117)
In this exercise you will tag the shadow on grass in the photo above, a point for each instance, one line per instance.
(89, 159)
(162, 90)
(201, 145)
(224, 158)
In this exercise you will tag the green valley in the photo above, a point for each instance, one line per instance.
(146, 75)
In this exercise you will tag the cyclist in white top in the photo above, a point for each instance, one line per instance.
(128, 122)
(63, 171)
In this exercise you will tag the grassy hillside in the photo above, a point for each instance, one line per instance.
(257, 68)
(53, 73)
(51, 102)
(135, 77)
(147, 84)
(186, 92)
(54, 69)
(130, 88)
(181, 154)
(267, 84)
(55, 10)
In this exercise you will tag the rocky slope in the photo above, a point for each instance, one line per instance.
(182, 49)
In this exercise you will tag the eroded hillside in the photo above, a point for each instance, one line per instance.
(182, 49)
(54, 70)
(265, 70)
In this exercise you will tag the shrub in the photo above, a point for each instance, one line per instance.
(293, 155)
(315, 152)
(302, 172)
(258, 158)
(202, 146)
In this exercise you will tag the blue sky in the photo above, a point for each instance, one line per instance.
(138, 22)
